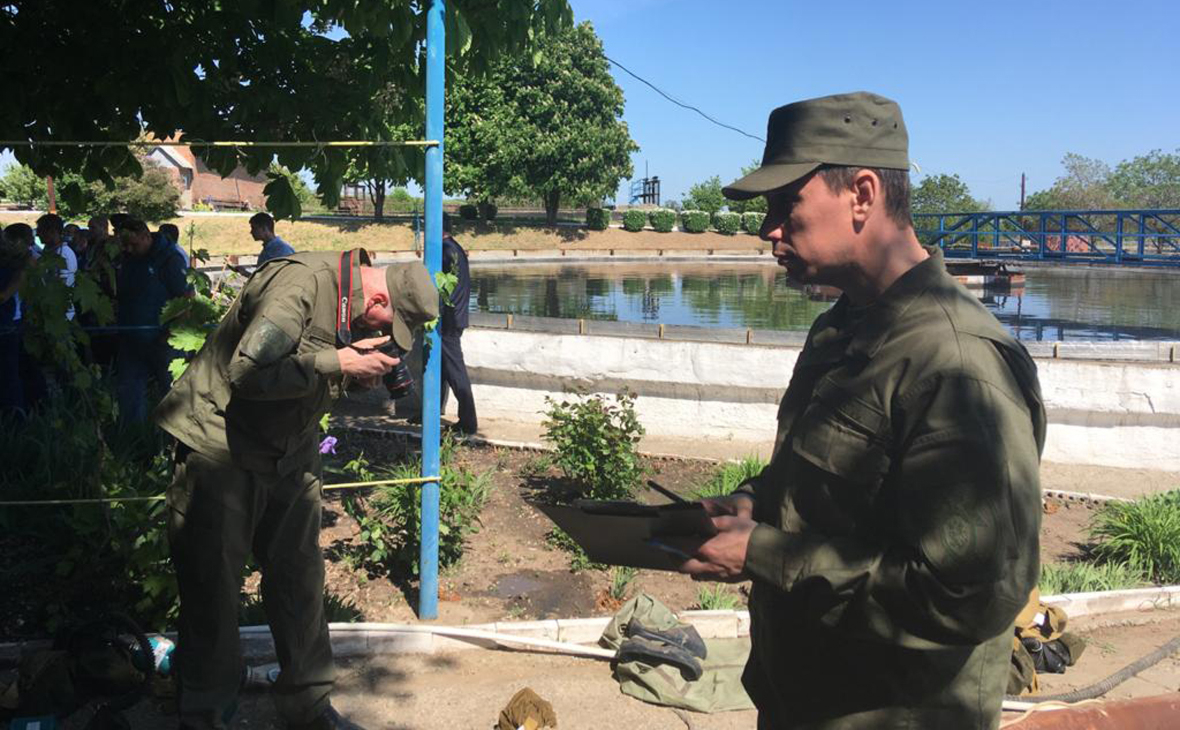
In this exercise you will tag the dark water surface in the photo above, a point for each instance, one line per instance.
(1054, 304)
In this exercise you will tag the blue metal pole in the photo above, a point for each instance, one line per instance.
(432, 257)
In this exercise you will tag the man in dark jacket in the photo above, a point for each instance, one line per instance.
(893, 538)
(453, 322)
(151, 272)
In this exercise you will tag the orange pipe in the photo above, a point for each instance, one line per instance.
(1159, 712)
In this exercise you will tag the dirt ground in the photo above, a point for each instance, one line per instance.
(510, 572)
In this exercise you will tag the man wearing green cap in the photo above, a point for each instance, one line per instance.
(893, 538)
(247, 472)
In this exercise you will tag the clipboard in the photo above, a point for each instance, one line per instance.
(628, 533)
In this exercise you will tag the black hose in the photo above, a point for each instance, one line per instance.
(1102, 687)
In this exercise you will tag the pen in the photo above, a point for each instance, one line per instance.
(666, 492)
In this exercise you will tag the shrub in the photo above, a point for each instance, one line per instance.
(596, 444)
(469, 212)
(337, 609)
(1087, 577)
(488, 210)
(694, 221)
(390, 518)
(1144, 535)
(727, 223)
(597, 219)
(634, 220)
(752, 222)
(728, 477)
(662, 219)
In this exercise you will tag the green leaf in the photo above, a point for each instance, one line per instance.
(187, 339)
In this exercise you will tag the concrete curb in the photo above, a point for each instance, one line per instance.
(371, 639)
(1084, 497)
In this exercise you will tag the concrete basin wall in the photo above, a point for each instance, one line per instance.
(1109, 405)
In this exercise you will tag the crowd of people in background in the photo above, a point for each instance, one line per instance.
(138, 269)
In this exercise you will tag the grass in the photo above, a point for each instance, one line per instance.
(717, 597)
(1057, 578)
(336, 610)
(230, 235)
(560, 539)
(1143, 535)
(621, 578)
(728, 477)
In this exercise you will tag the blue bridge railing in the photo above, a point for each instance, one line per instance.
(1128, 237)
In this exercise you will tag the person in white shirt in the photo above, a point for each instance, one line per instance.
(50, 230)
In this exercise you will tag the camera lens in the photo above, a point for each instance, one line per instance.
(398, 381)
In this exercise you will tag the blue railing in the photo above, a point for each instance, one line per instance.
(1128, 237)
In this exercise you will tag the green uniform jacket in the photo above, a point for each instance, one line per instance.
(899, 516)
(255, 392)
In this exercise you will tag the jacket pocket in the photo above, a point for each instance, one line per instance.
(843, 435)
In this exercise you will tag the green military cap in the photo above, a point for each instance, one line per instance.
(414, 299)
(858, 129)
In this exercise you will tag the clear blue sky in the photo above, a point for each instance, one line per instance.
(988, 90)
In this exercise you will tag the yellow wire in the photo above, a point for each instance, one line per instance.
(158, 497)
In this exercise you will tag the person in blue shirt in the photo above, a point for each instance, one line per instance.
(262, 229)
(14, 259)
(172, 232)
(151, 272)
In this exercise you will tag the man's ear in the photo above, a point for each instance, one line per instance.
(378, 299)
(866, 194)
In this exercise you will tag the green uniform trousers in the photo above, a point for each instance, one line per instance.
(218, 515)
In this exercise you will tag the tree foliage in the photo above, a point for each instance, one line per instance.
(705, 196)
(1084, 186)
(943, 194)
(1148, 181)
(756, 204)
(22, 185)
(252, 70)
(546, 126)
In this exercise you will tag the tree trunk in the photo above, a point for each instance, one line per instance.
(377, 193)
(552, 199)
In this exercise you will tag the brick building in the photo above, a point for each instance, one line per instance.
(199, 184)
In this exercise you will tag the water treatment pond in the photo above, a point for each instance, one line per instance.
(1054, 303)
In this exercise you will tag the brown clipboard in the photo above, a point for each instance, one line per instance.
(628, 533)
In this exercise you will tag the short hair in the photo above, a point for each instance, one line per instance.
(171, 231)
(100, 219)
(263, 219)
(895, 183)
(446, 222)
(51, 222)
(74, 226)
(118, 220)
(19, 233)
(134, 225)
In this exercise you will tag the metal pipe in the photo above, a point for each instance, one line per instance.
(432, 257)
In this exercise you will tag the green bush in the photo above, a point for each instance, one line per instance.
(1087, 577)
(597, 444)
(727, 223)
(390, 518)
(337, 610)
(662, 219)
(694, 221)
(1144, 535)
(488, 210)
(729, 476)
(752, 222)
(634, 220)
(469, 212)
(597, 219)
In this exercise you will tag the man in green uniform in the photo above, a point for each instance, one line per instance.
(894, 536)
(247, 475)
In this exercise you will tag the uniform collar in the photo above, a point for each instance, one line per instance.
(358, 289)
(870, 334)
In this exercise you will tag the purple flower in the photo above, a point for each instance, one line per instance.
(328, 445)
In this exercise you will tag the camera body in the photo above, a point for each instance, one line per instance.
(398, 381)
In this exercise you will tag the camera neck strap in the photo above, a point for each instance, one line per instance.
(344, 303)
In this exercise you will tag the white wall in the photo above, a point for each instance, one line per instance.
(1124, 414)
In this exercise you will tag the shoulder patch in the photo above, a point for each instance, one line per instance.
(267, 342)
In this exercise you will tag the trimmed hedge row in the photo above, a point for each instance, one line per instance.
(634, 219)
(663, 220)
(694, 221)
(727, 223)
(597, 219)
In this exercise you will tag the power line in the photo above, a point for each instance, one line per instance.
(682, 104)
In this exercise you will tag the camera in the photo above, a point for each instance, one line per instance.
(398, 381)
